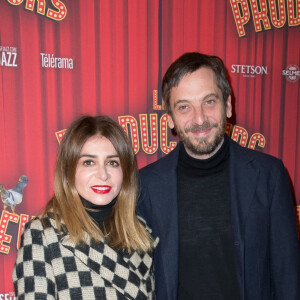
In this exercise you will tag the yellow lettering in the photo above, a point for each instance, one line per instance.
(61, 12)
(6, 217)
(241, 14)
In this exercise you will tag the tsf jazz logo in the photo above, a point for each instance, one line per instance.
(8, 56)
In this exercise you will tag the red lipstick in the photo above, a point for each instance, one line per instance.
(101, 189)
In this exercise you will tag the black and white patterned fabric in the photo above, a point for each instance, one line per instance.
(50, 266)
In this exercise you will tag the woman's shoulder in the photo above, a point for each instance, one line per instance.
(34, 224)
(39, 226)
(32, 232)
(40, 222)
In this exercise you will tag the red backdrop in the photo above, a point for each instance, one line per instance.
(62, 59)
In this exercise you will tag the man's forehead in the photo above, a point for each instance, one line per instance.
(202, 80)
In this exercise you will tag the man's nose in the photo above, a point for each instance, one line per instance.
(199, 116)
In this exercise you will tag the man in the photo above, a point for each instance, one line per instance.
(224, 214)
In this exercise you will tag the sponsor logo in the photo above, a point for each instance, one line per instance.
(292, 73)
(8, 296)
(8, 56)
(52, 62)
(249, 71)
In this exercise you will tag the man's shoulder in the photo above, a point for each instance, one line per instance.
(166, 163)
(249, 155)
(154, 165)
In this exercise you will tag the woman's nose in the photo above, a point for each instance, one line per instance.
(102, 173)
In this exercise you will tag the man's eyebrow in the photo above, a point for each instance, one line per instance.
(180, 101)
(211, 95)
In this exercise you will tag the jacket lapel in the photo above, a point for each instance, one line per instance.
(243, 181)
(165, 187)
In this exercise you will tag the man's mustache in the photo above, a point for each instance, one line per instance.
(196, 127)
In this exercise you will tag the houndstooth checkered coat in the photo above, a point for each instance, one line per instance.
(50, 266)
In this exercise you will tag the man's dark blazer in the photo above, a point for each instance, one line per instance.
(263, 222)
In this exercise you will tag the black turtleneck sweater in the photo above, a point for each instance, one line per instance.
(98, 212)
(206, 252)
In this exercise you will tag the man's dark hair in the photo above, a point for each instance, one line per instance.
(188, 63)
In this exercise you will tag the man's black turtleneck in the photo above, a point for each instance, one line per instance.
(206, 253)
(98, 212)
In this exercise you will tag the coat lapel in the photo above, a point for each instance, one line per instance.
(166, 212)
(243, 181)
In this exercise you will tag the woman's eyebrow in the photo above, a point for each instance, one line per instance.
(112, 156)
(87, 155)
(95, 156)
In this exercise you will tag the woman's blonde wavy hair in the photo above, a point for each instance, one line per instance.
(123, 230)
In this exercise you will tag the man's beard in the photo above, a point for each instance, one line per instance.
(203, 146)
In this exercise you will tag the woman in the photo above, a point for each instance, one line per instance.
(88, 243)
